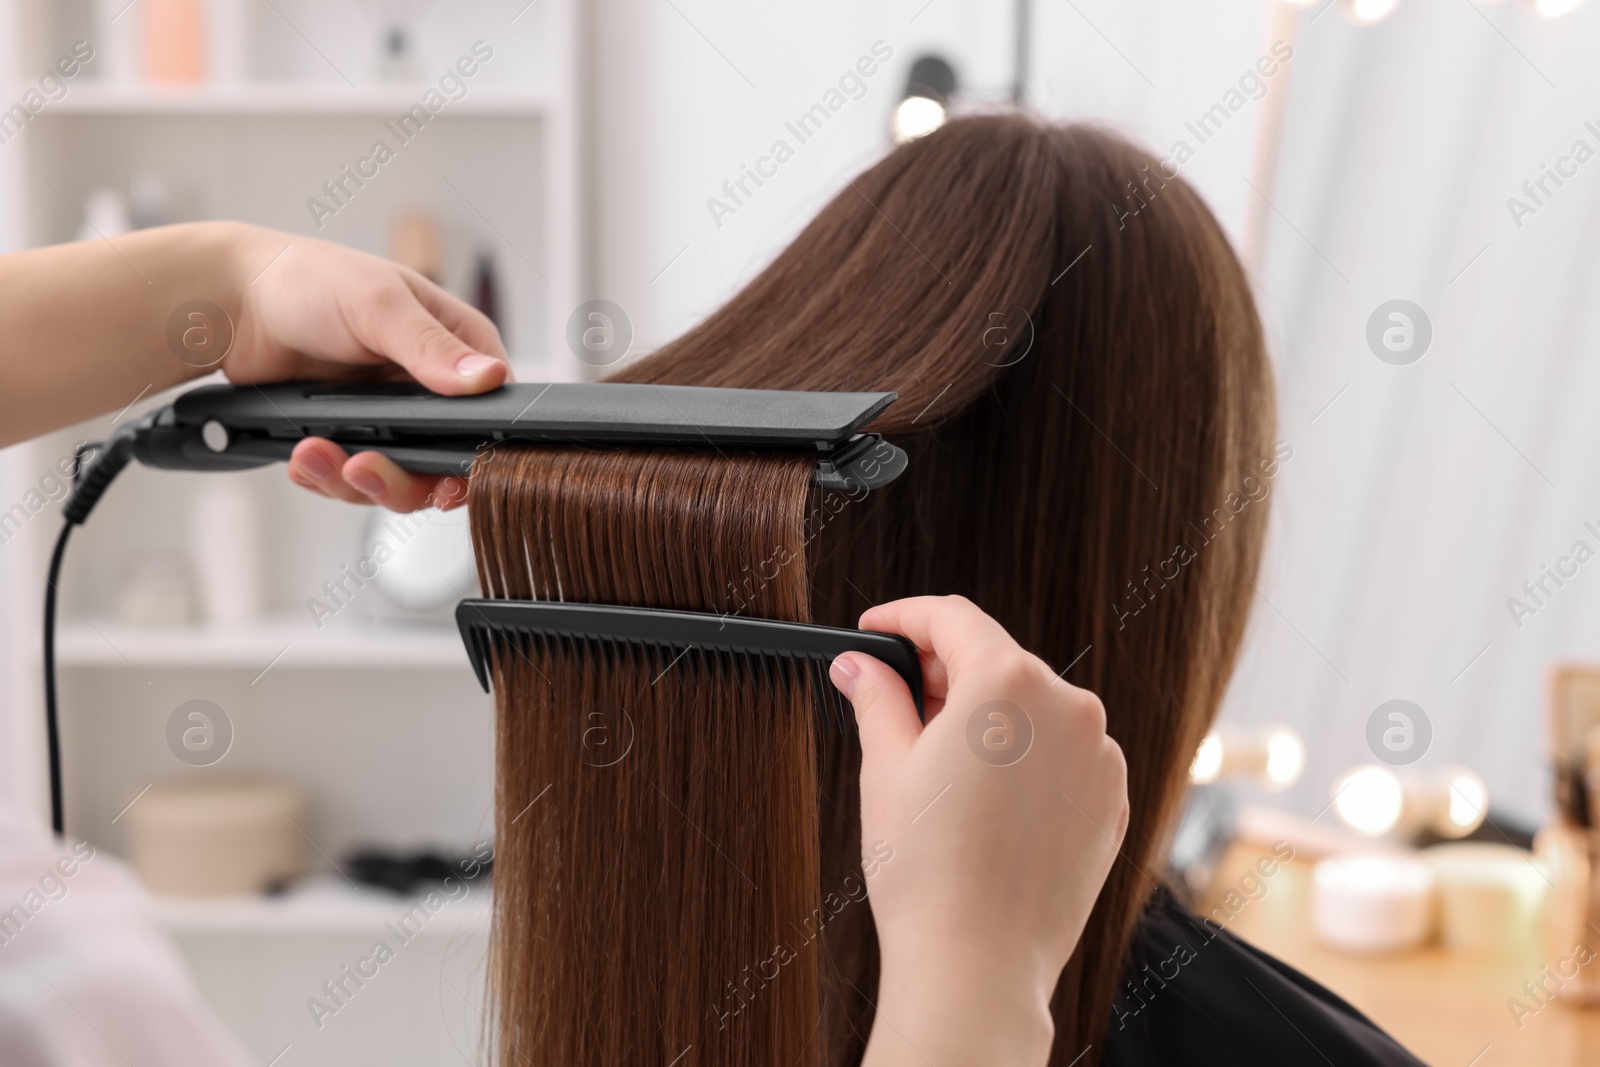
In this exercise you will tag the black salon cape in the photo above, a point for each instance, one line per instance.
(1208, 998)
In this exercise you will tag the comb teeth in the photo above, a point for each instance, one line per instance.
(722, 647)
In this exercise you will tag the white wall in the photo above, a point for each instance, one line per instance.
(693, 89)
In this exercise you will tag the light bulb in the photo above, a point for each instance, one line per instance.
(1207, 765)
(916, 116)
(1369, 11)
(1271, 756)
(1369, 800)
(1554, 9)
(1375, 800)
(1286, 758)
(1467, 806)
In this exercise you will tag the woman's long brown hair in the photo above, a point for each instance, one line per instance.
(1087, 403)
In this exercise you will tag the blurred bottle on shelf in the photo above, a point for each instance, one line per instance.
(105, 215)
(157, 590)
(147, 199)
(414, 242)
(174, 41)
(225, 544)
(486, 290)
(116, 42)
(398, 61)
(227, 24)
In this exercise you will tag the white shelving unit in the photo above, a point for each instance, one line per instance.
(380, 720)
(322, 905)
(269, 644)
(424, 1005)
(268, 100)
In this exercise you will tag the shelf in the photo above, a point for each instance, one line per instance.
(282, 643)
(288, 98)
(321, 906)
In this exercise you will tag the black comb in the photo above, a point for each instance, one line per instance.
(499, 626)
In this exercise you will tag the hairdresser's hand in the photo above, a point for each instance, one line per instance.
(998, 821)
(323, 311)
(92, 327)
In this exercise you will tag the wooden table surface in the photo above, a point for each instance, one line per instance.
(1449, 1008)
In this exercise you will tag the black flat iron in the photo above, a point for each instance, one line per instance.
(224, 427)
(231, 428)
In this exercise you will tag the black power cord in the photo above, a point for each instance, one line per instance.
(52, 730)
(97, 465)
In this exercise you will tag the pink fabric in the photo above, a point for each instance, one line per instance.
(87, 976)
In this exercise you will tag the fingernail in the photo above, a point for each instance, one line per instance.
(844, 674)
(473, 364)
(367, 482)
(317, 465)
